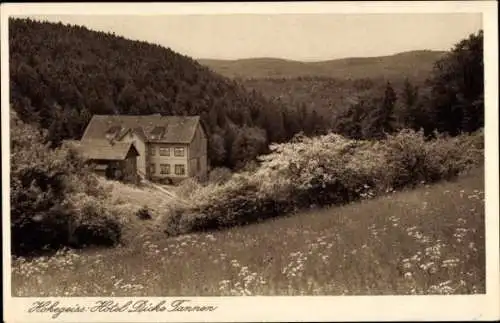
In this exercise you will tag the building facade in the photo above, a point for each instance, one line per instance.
(171, 148)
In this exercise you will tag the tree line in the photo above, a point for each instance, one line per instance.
(450, 101)
(61, 75)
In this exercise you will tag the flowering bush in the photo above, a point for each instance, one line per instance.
(219, 175)
(92, 221)
(53, 195)
(187, 187)
(412, 159)
(325, 170)
(473, 144)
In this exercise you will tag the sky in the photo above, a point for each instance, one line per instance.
(304, 37)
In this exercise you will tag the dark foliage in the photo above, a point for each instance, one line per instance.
(457, 83)
(144, 213)
(61, 75)
(55, 200)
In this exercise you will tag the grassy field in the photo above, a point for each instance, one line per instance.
(425, 241)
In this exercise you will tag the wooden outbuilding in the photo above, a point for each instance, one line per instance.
(113, 160)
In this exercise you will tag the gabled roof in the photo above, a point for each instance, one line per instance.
(138, 131)
(103, 149)
(154, 128)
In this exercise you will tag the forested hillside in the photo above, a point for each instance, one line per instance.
(61, 75)
(413, 64)
(325, 95)
(407, 90)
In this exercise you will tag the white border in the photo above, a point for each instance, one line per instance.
(324, 308)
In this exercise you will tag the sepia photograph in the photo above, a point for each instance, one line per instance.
(244, 154)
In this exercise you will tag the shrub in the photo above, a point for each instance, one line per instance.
(324, 170)
(144, 213)
(406, 155)
(219, 175)
(92, 223)
(473, 144)
(54, 196)
(411, 159)
(187, 187)
(179, 221)
(444, 159)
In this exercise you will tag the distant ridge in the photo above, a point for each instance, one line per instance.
(412, 64)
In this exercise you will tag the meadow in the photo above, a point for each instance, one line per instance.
(428, 240)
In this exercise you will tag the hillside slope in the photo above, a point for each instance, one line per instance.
(413, 64)
(424, 241)
(60, 75)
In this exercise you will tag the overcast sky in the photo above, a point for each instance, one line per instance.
(290, 36)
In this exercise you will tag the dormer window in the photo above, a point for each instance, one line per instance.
(113, 132)
(157, 133)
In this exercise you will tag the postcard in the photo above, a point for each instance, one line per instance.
(225, 162)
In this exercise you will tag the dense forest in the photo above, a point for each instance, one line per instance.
(447, 98)
(60, 75)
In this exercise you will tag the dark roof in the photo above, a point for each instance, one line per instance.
(171, 129)
(103, 149)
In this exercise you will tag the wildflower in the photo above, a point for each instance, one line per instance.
(450, 263)
(427, 265)
(210, 237)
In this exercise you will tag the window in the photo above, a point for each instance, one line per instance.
(152, 168)
(178, 151)
(180, 170)
(165, 169)
(152, 150)
(198, 167)
(164, 151)
(157, 133)
(113, 131)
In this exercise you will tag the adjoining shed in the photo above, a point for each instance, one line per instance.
(113, 160)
